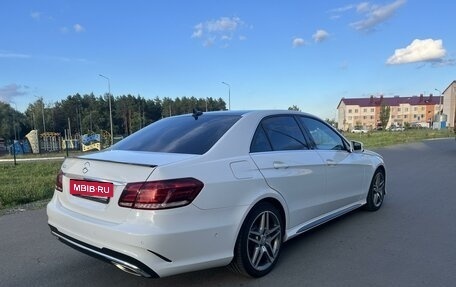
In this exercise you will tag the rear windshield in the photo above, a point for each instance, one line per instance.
(182, 134)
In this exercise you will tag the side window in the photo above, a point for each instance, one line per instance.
(260, 142)
(280, 133)
(323, 136)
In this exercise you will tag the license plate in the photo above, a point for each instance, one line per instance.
(91, 188)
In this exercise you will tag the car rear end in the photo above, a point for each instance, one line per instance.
(120, 206)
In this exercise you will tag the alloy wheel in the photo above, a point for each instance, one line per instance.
(264, 240)
(378, 189)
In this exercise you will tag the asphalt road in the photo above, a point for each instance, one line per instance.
(410, 241)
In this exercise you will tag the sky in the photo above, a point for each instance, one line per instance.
(270, 54)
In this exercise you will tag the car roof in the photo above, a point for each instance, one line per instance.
(259, 113)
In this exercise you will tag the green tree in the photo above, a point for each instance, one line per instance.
(152, 111)
(294, 108)
(82, 114)
(384, 115)
(184, 105)
(332, 122)
(6, 121)
(13, 124)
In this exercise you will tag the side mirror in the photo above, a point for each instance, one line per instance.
(357, 146)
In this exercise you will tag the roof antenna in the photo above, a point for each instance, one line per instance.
(196, 113)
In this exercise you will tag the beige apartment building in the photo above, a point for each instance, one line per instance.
(365, 112)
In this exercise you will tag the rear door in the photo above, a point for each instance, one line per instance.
(282, 155)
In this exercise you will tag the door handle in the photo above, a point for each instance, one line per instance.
(279, 164)
(330, 162)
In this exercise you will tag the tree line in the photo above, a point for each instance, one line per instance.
(86, 114)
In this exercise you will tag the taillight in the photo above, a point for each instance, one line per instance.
(58, 181)
(160, 194)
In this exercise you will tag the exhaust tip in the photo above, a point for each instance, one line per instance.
(133, 270)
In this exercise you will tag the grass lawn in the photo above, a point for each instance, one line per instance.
(27, 182)
(385, 138)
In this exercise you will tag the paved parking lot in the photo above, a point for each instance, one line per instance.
(409, 242)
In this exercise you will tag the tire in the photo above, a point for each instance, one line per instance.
(376, 193)
(259, 241)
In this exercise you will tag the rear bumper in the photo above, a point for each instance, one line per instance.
(123, 262)
(152, 244)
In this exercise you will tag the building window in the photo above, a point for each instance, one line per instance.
(349, 111)
(372, 117)
(393, 116)
(415, 109)
(398, 109)
(372, 110)
(356, 117)
(414, 116)
(406, 109)
(405, 116)
(364, 117)
(398, 116)
(422, 108)
(365, 110)
(350, 118)
(356, 111)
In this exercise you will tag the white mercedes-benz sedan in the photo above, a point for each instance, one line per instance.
(211, 189)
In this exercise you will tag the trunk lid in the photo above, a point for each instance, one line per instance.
(117, 167)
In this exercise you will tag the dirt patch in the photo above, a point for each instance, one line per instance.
(24, 207)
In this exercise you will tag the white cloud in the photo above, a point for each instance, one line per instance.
(320, 36)
(64, 30)
(223, 24)
(198, 31)
(298, 42)
(78, 28)
(342, 9)
(36, 15)
(375, 14)
(363, 7)
(209, 42)
(224, 29)
(13, 55)
(444, 63)
(9, 92)
(419, 51)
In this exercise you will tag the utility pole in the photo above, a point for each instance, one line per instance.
(110, 109)
(42, 111)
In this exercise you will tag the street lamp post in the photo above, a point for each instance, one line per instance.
(42, 112)
(229, 95)
(110, 109)
(14, 122)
